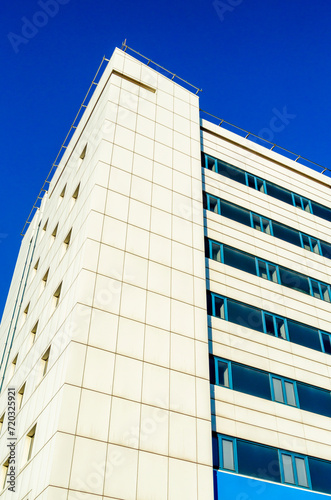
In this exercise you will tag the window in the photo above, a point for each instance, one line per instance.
(211, 163)
(213, 204)
(269, 463)
(326, 342)
(63, 192)
(4, 473)
(278, 192)
(283, 391)
(250, 381)
(234, 212)
(54, 233)
(231, 172)
(275, 325)
(301, 202)
(56, 296)
(259, 383)
(30, 442)
(222, 373)
(67, 240)
(25, 312)
(227, 459)
(244, 315)
(257, 460)
(263, 321)
(238, 259)
(325, 249)
(320, 290)
(75, 193)
(286, 233)
(321, 211)
(20, 395)
(45, 225)
(45, 278)
(261, 223)
(304, 335)
(225, 169)
(309, 243)
(265, 225)
(314, 399)
(44, 362)
(294, 469)
(83, 153)
(320, 473)
(282, 194)
(2, 418)
(215, 251)
(245, 457)
(267, 271)
(294, 280)
(13, 365)
(255, 183)
(35, 267)
(34, 332)
(216, 306)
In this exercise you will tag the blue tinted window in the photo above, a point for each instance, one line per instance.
(314, 399)
(320, 474)
(261, 223)
(286, 233)
(239, 260)
(234, 212)
(294, 280)
(320, 290)
(303, 335)
(275, 325)
(212, 375)
(282, 194)
(215, 451)
(326, 342)
(258, 461)
(215, 251)
(213, 204)
(326, 249)
(245, 315)
(222, 373)
(211, 163)
(279, 193)
(218, 307)
(301, 202)
(230, 171)
(268, 271)
(250, 381)
(321, 211)
(309, 243)
(255, 182)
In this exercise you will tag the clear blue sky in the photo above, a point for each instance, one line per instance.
(250, 57)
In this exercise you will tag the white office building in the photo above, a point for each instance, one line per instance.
(133, 383)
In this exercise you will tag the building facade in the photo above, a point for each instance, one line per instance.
(130, 381)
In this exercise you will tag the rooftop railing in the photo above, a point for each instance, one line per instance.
(265, 143)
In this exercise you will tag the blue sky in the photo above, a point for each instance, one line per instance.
(252, 58)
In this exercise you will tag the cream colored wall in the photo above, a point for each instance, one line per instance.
(124, 409)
